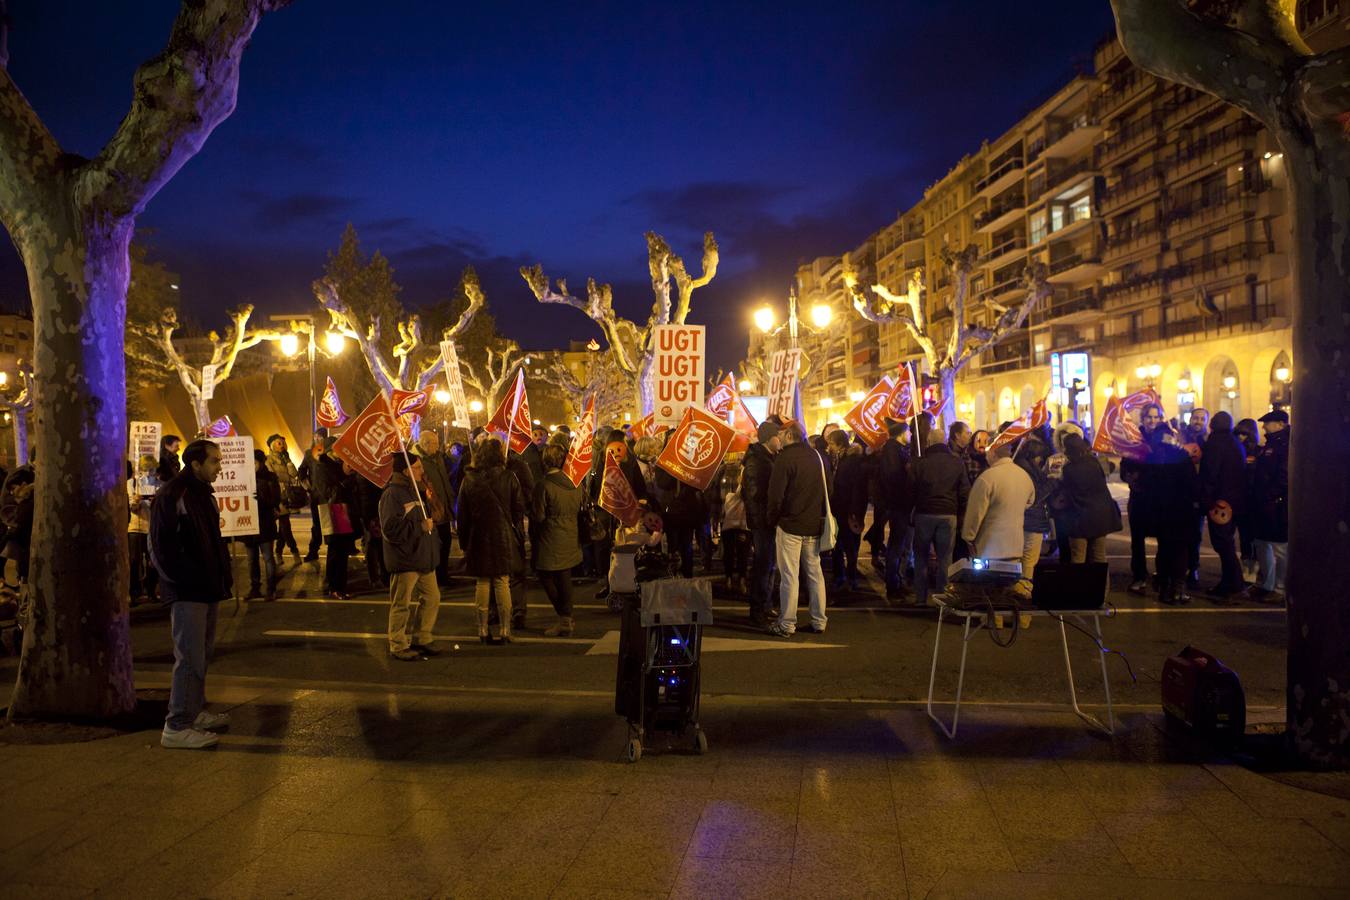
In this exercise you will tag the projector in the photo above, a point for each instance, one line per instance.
(985, 571)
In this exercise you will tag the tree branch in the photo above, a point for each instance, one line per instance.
(326, 290)
(599, 307)
(685, 285)
(889, 310)
(179, 97)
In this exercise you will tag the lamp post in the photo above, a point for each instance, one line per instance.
(334, 343)
(1148, 374)
(821, 316)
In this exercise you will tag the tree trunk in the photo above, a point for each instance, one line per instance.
(1318, 582)
(19, 418)
(77, 653)
(947, 384)
(201, 409)
(646, 387)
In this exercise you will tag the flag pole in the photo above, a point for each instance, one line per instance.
(403, 448)
(915, 401)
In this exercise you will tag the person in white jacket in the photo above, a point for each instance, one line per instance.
(993, 523)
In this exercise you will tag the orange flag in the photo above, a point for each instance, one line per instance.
(868, 418)
(582, 451)
(725, 403)
(512, 417)
(1029, 421)
(1118, 432)
(696, 450)
(616, 494)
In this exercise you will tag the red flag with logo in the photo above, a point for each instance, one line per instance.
(330, 413)
(512, 417)
(582, 451)
(616, 494)
(725, 403)
(1029, 421)
(221, 428)
(370, 442)
(696, 448)
(868, 418)
(1118, 432)
(901, 402)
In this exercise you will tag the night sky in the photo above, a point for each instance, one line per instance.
(501, 134)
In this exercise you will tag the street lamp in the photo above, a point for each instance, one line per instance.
(858, 396)
(334, 342)
(745, 386)
(475, 406)
(821, 315)
(826, 402)
(290, 344)
(764, 318)
(1148, 373)
(442, 396)
(1281, 375)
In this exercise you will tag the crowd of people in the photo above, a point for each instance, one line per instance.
(781, 515)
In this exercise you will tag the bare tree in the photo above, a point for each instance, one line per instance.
(415, 363)
(604, 381)
(224, 353)
(631, 344)
(946, 359)
(1249, 53)
(491, 374)
(72, 219)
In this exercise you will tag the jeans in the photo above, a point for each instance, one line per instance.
(261, 552)
(404, 587)
(761, 569)
(340, 547)
(798, 554)
(1193, 547)
(373, 547)
(1223, 538)
(193, 626)
(285, 537)
(876, 533)
(1273, 558)
(1087, 550)
(844, 556)
(558, 586)
(937, 533)
(447, 536)
(498, 589)
(1172, 555)
(898, 549)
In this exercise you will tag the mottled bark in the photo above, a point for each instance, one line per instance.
(1259, 63)
(77, 651)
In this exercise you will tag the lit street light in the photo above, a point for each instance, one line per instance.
(334, 342)
(475, 406)
(764, 318)
(746, 386)
(858, 396)
(821, 315)
(442, 396)
(290, 344)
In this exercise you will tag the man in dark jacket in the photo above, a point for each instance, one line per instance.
(896, 486)
(436, 476)
(322, 473)
(1270, 492)
(1223, 494)
(169, 465)
(411, 550)
(941, 487)
(267, 499)
(796, 509)
(755, 474)
(194, 571)
(848, 504)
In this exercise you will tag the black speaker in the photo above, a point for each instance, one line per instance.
(1069, 585)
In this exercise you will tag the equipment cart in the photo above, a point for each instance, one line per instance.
(657, 687)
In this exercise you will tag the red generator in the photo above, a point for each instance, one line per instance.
(1203, 694)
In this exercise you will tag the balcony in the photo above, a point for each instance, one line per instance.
(1124, 90)
(1131, 188)
(1071, 137)
(1075, 268)
(1138, 289)
(1001, 177)
(1009, 210)
(1182, 218)
(1013, 354)
(1134, 136)
(1217, 264)
(1212, 148)
(1060, 178)
(1185, 103)
(1005, 252)
(1078, 308)
(1142, 236)
(1235, 320)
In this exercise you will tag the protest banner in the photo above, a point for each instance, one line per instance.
(783, 366)
(678, 370)
(1118, 433)
(868, 418)
(1035, 417)
(220, 428)
(143, 440)
(726, 404)
(454, 383)
(235, 487)
(696, 449)
(209, 381)
(582, 451)
(616, 494)
(330, 413)
(369, 443)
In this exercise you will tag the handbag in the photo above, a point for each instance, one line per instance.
(829, 531)
(334, 519)
(296, 497)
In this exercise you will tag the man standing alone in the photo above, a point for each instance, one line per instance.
(194, 570)
(797, 513)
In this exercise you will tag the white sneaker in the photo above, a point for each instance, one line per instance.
(209, 721)
(187, 739)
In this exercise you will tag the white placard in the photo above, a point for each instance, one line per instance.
(678, 369)
(455, 383)
(783, 366)
(235, 487)
(209, 382)
(143, 440)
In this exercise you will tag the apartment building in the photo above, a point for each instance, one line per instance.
(1159, 213)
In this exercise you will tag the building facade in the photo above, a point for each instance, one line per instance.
(1159, 214)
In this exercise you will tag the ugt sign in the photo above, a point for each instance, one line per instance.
(679, 371)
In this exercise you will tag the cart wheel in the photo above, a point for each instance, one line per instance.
(634, 750)
(700, 742)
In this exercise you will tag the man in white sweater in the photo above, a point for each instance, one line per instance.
(993, 523)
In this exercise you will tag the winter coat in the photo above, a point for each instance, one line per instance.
(169, 466)
(681, 505)
(941, 485)
(437, 479)
(1036, 519)
(185, 542)
(407, 546)
(1090, 511)
(491, 510)
(1270, 489)
(533, 457)
(797, 491)
(998, 499)
(325, 473)
(556, 506)
(347, 491)
(895, 479)
(266, 499)
(524, 476)
(755, 475)
(976, 463)
(1223, 472)
(1164, 500)
(849, 496)
(280, 465)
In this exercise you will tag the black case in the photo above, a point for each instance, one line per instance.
(1204, 695)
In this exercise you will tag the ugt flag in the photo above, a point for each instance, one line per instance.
(582, 451)
(512, 417)
(616, 494)
(1029, 421)
(330, 413)
(1118, 432)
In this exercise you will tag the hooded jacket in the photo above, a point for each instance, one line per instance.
(185, 542)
